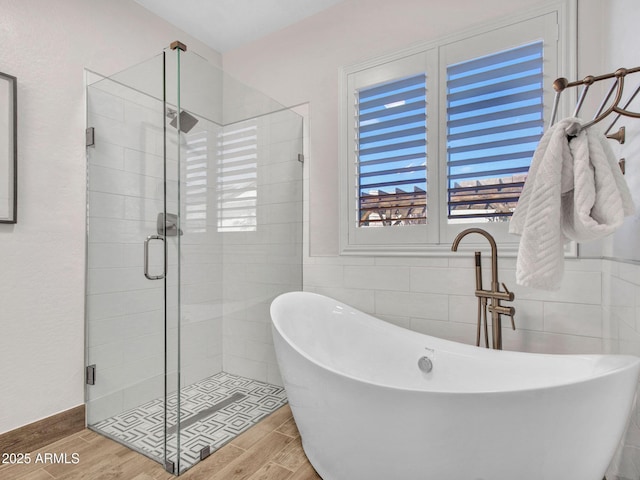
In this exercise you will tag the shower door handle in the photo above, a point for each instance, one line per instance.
(146, 258)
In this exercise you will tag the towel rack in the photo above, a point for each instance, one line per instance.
(560, 84)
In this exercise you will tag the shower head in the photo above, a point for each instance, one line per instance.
(187, 121)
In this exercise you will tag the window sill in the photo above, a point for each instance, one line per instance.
(507, 250)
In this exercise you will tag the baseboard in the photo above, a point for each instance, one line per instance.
(43, 432)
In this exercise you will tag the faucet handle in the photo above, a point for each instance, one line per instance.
(512, 311)
(511, 295)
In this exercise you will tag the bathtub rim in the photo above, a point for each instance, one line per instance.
(627, 362)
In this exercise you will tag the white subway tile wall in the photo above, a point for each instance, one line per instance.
(621, 334)
(436, 296)
(262, 262)
(597, 309)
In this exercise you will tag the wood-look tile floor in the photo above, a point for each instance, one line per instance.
(270, 450)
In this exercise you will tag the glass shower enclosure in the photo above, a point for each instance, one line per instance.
(194, 225)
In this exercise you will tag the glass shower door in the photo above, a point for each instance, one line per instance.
(132, 288)
(194, 221)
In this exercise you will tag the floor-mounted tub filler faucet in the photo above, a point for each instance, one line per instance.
(494, 296)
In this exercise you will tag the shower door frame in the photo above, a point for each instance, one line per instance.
(172, 466)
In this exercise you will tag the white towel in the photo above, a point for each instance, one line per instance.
(574, 191)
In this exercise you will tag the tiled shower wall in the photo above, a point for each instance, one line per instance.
(125, 326)
(225, 272)
(264, 261)
(123, 308)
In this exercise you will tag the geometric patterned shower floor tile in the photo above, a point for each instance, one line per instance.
(213, 411)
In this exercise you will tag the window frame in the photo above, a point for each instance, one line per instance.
(434, 238)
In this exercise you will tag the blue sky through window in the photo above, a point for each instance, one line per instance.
(392, 130)
(494, 123)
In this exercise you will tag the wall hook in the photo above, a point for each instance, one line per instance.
(619, 135)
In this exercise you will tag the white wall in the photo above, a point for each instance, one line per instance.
(47, 45)
(621, 275)
(620, 50)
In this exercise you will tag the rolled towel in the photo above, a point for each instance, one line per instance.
(574, 191)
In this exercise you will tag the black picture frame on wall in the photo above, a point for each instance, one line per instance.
(8, 149)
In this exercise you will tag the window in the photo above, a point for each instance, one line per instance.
(392, 153)
(494, 123)
(443, 135)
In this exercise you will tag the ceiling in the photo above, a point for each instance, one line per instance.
(228, 24)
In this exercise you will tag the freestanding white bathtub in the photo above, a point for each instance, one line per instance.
(365, 410)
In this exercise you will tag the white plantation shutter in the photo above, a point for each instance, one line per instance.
(494, 123)
(238, 178)
(476, 104)
(197, 158)
(391, 126)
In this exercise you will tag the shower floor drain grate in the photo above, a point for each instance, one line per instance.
(213, 412)
(205, 413)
